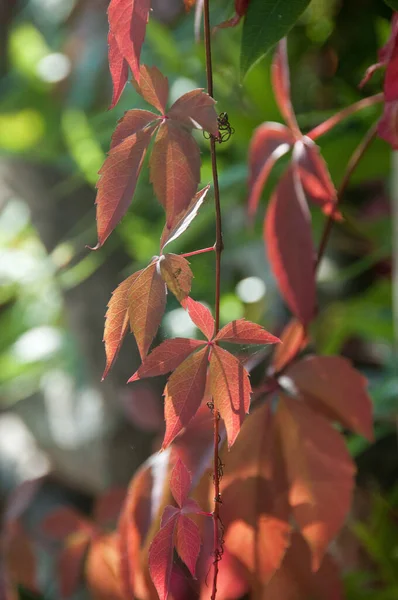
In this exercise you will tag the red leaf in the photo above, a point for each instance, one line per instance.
(166, 357)
(230, 389)
(65, 521)
(183, 220)
(314, 175)
(320, 472)
(161, 558)
(118, 178)
(132, 122)
(177, 274)
(196, 108)
(269, 142)
(117, 321)
(287, 232)
(180, 483)
(153, 87)
(119, 69)
(21, 562)
(127, 22)
(188, 542)
(175, 168)
(245, 332)
(147, 301)
(334, 387)
(70, 565)
(293, 339)
(388, 128)
(201, 316)
(281, 87)
(183, 393)
(108, 507)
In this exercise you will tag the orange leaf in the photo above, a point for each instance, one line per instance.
(230, 388)
(333, 387)
(175, 168)
(153, 87)
(320, 472)
(117, 321)
(131, 122)
(245, 332)
(103, 569)
(201, 316)
(183, 393)
(293, 339)
(146, 304)
(177, 274)
(196, 108)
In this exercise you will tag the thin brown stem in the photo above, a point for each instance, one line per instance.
(218, 247)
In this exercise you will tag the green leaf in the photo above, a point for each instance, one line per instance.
(392, 4)
(266, 22)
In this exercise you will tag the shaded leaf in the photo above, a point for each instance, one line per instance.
(177, 274)
(331, 383)
(180, 483)
(281, 87)
(63, 522)
(117, 321)
(320, 473)
(288, 237)
(188, 542)
(230, 389)
(267, 22)
(201, 316)
(183, 220)
(183, 393)
(161, 558)
(127, 22)
(21, 564)
(119, 69)
(102, 569)
(269, 143)
(293, 339)
(131, 122)
(147, 302)
(196, 108)
(153, 87)
(245, 332)
(70, 564)
(175, 168)
(166, 357)
(108, 507)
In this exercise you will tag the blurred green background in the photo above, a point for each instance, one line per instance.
(55, 416)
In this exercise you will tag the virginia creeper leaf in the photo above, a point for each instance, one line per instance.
(117, 321)
(269, 143)
(180, 483)
(245, 332)
(146, 304)
(65, 521)
(175, 168)
(184, 393)
(118, 178)
(166, 357)
(288, 237)
(153, 87)
(161, 558)
(177, 274)
(102, 569)
(196, 108)
(127, 22)
(267, 22)
(281, 87)
(201, 316)
(183, 220)
(70, 565)
(108, 507)
(320, 473)
(119, 69)
(332, 383)
(230, 389)
(188, 542)
(132, 122)
(293, 339)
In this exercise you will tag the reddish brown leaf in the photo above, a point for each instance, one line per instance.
(161, 558)
(293, 339)
(119, 69)
(196, 108)
(153, 87)
(20, 561)
(127, 22)
(281, 87)
(314, 175)
(175, 168)
(147, 301)
(269, 143)
(108, 507)
(117, 321)
(296, 581)
(320, 472)
(188, 542)
(70, 564)
(118, 178)
(65, 521)
(177, 274)
(180, 483)
(288, 237)
(245, 332)
(254, 491)
(102, 569)
(183, 220)
(334, 387)
(131, 122)
(183, 393)
(201, 316)
(166, 357)
(230, 389)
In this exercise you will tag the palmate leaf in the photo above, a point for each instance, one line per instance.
(153, 86)
(177, 274)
